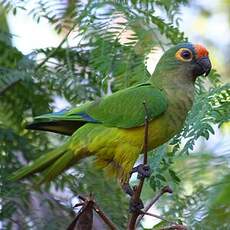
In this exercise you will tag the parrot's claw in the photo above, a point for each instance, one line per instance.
(142, 170)
(127, 189)
(135, 206)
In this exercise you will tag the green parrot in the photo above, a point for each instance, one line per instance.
(112, 128)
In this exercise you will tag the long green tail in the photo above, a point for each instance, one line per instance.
(52, 164)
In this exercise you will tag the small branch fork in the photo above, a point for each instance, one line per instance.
(164, 190)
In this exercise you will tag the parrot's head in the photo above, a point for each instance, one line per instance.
(187, 59)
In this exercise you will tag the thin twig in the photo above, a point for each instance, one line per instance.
(78, 205)
(146, 135)
(137, 192)
(158, 217)
(103, 216)
(164, 190)
(55, 50)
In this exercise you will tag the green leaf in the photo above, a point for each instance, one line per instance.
(174, 176)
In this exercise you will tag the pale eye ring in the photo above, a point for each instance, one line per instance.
(184, 55)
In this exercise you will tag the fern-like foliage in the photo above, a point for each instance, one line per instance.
(112, 42)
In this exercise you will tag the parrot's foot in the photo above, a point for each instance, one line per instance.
(127, 189)
(136, 206)
(142, 170)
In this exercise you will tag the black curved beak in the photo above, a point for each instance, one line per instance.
(205, 66)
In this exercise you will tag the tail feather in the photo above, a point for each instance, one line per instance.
(62, 163)
(39, 164)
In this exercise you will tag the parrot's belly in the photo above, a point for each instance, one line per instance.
(117, 150)
(159, 131)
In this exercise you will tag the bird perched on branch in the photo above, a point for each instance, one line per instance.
(112, 128)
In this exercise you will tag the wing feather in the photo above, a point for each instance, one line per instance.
(123, 109)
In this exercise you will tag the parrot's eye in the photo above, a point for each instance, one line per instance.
(184, 55)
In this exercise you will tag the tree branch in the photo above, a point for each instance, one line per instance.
(137, 191)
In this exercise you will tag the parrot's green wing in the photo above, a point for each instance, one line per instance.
(123, 109)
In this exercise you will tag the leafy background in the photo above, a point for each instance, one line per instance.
(112, 45)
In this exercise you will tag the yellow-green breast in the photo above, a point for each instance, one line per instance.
(117, 149)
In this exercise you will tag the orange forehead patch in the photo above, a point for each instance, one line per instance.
(201, 51)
